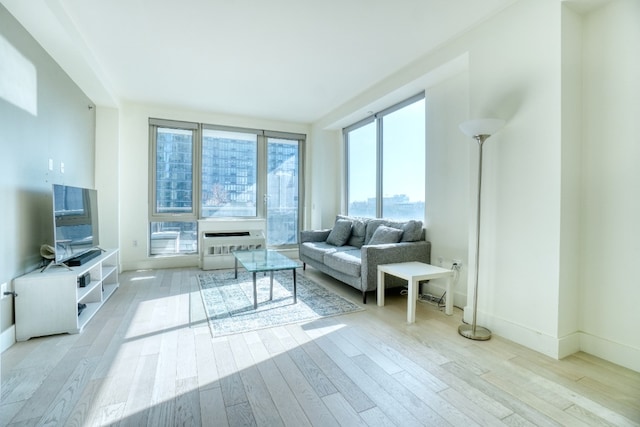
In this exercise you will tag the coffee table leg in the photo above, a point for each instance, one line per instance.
(271, 287)
(236, 265)
(255, 292)
(295, 298)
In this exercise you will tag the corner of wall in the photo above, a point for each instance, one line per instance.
(535, 340)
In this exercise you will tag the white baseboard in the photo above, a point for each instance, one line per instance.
(535, 340)
(568, 345)
(7, 338)
(613, 352)
(559, 348)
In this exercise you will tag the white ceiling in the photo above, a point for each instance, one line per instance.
(291, 60)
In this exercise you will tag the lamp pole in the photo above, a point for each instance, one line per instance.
(480, 130)
(474, 331)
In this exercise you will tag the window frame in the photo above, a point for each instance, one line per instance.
(378, 118)
(155, 124)
(196, 182)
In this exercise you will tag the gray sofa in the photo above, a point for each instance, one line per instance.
(352, 250)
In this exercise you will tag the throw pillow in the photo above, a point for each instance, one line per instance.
(358, 230)
(357, 233)
(384, 234)
(372, 226)
(340, 233)
(412, 229)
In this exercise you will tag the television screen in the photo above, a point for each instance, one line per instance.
(75, 216)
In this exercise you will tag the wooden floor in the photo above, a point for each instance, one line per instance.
(148, 359)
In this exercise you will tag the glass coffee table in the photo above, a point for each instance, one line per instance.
(263, 260)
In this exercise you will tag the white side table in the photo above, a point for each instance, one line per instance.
(414, 272)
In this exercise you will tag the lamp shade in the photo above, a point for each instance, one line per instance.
(477, 127)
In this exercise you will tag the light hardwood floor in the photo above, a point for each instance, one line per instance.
(147, 358)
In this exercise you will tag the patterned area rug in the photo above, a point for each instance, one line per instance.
(228, 302)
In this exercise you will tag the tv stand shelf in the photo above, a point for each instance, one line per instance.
(47, 301)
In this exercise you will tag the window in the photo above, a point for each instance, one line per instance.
(362, 170)
(386, 162)
(172, 229)
(283, 191)
(207, 171)
(229, 174)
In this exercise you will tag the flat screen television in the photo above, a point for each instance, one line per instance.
(75, 221)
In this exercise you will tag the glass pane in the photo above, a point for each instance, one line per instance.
(168, 238)
(362, 171)
(403, 160)
(174, 167)
(229, 170)
(282, 191)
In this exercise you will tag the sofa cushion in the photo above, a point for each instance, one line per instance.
(412, 229)
(317, 250)
(346, 262)
(384, 234)
(340, 232)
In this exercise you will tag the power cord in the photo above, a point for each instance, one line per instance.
(440, 302)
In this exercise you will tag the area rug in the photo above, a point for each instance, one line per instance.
(228, 302)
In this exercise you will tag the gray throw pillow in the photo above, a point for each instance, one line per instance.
(372, 226)
(357, 233)
(340, 233)
(358, 230)
(384, 234)
(412, 231)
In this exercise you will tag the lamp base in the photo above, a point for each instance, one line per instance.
(482, 334)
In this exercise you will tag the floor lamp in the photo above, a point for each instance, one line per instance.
(480, 130)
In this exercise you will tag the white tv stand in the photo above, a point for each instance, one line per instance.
(47, 301)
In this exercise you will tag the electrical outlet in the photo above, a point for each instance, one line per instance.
(4, 288)
(458, 263)
(135, 243)
(440, 261)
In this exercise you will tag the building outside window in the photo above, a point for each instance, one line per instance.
(283, 178)
(229, 174)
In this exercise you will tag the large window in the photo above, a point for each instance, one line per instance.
(229, 174)
(362, 170)
(386, 163)
(207, 171)
(283, 189)
(173, 226)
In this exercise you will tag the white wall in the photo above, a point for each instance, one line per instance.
(610, 289)
(447, 179)
(515, 75)
(57, 126)
(108, 175)
(569, 283)
(134, 176)
(559, 204)
(325, 169)
(513, 71)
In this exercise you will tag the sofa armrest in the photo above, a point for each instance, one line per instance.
(314, 235)
(374, 255)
